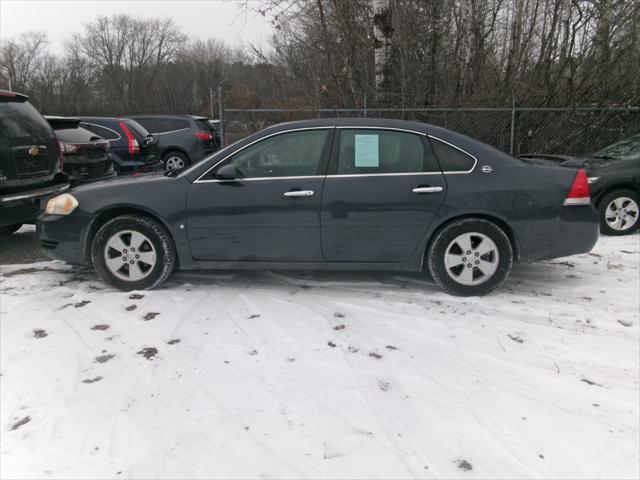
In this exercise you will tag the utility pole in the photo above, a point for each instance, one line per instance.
(221, 115)
(211, 103)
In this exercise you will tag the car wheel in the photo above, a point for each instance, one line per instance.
(469, 257)
(9, 229)
(133, 252)
(175, 161)
(619, 212)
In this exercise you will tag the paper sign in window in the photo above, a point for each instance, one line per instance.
(367, 151)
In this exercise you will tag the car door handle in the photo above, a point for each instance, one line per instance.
(299, 193)
(427, 189)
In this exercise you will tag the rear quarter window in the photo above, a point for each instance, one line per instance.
(451, 158)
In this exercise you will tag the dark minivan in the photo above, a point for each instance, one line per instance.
(182, 139)
(133, 148)
(86, 155)
(30, 162)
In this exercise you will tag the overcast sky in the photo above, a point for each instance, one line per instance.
(222, 19)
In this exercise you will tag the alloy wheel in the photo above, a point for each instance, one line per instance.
(471, 258)
(129, 255)
(621, 213)
(174, 163)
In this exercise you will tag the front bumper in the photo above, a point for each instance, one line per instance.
(22, 207)
(62, 237)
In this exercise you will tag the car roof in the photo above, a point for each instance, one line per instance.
(162, 115)
(8, 96)
(353, 122)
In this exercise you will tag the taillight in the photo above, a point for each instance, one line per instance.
(59, 152)
(203, 136)
(132, 143)
(65, 147)
(579, 191)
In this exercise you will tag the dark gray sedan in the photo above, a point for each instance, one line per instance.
(350, 194)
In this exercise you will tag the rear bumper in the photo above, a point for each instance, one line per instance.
(575, 231)
(23, 207)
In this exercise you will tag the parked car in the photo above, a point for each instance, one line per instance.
(86, 155)
(30, 162)
(352, 194)
(182, 139)
(614, 178)
(133, 149)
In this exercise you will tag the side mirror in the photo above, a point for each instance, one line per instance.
(227, 172)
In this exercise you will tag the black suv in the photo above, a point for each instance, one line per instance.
(182, 139)
(133, 149)
(614, 181)
(86, 155)
(30, 162)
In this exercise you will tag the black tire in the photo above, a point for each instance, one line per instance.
(446, 235)
(9, 229)
(169, 159)
(607, 229)
(157, 235)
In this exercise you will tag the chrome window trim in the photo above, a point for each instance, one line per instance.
(355, 175)
(259, 179)
(198, 180)
(351, 175)
(475, 160)
(396, 174)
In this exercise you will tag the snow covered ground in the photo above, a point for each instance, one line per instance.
(332, 375)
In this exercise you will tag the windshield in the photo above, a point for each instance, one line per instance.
(627, 149)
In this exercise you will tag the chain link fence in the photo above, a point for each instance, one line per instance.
(517, 130)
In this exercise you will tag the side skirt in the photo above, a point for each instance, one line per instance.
(213, 265)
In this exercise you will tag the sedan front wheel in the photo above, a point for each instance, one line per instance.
(133, 252)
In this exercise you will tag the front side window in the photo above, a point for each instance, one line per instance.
(287, 155)
(451, 158)
(370, 151)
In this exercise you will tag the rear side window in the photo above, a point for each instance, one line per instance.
(103, 132)
(451, 158)
(164, 125)
(383, 151)
(150, 124)
(20, 119)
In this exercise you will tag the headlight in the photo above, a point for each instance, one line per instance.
(593, 180)
(61, 204)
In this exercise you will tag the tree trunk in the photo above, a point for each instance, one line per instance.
(382, 33)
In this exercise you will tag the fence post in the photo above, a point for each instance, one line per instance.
(513, 124)
(365, 104)
(221, 115)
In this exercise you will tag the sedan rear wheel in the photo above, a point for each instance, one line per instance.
(619, 212)
(133, 252)
(470, 256)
